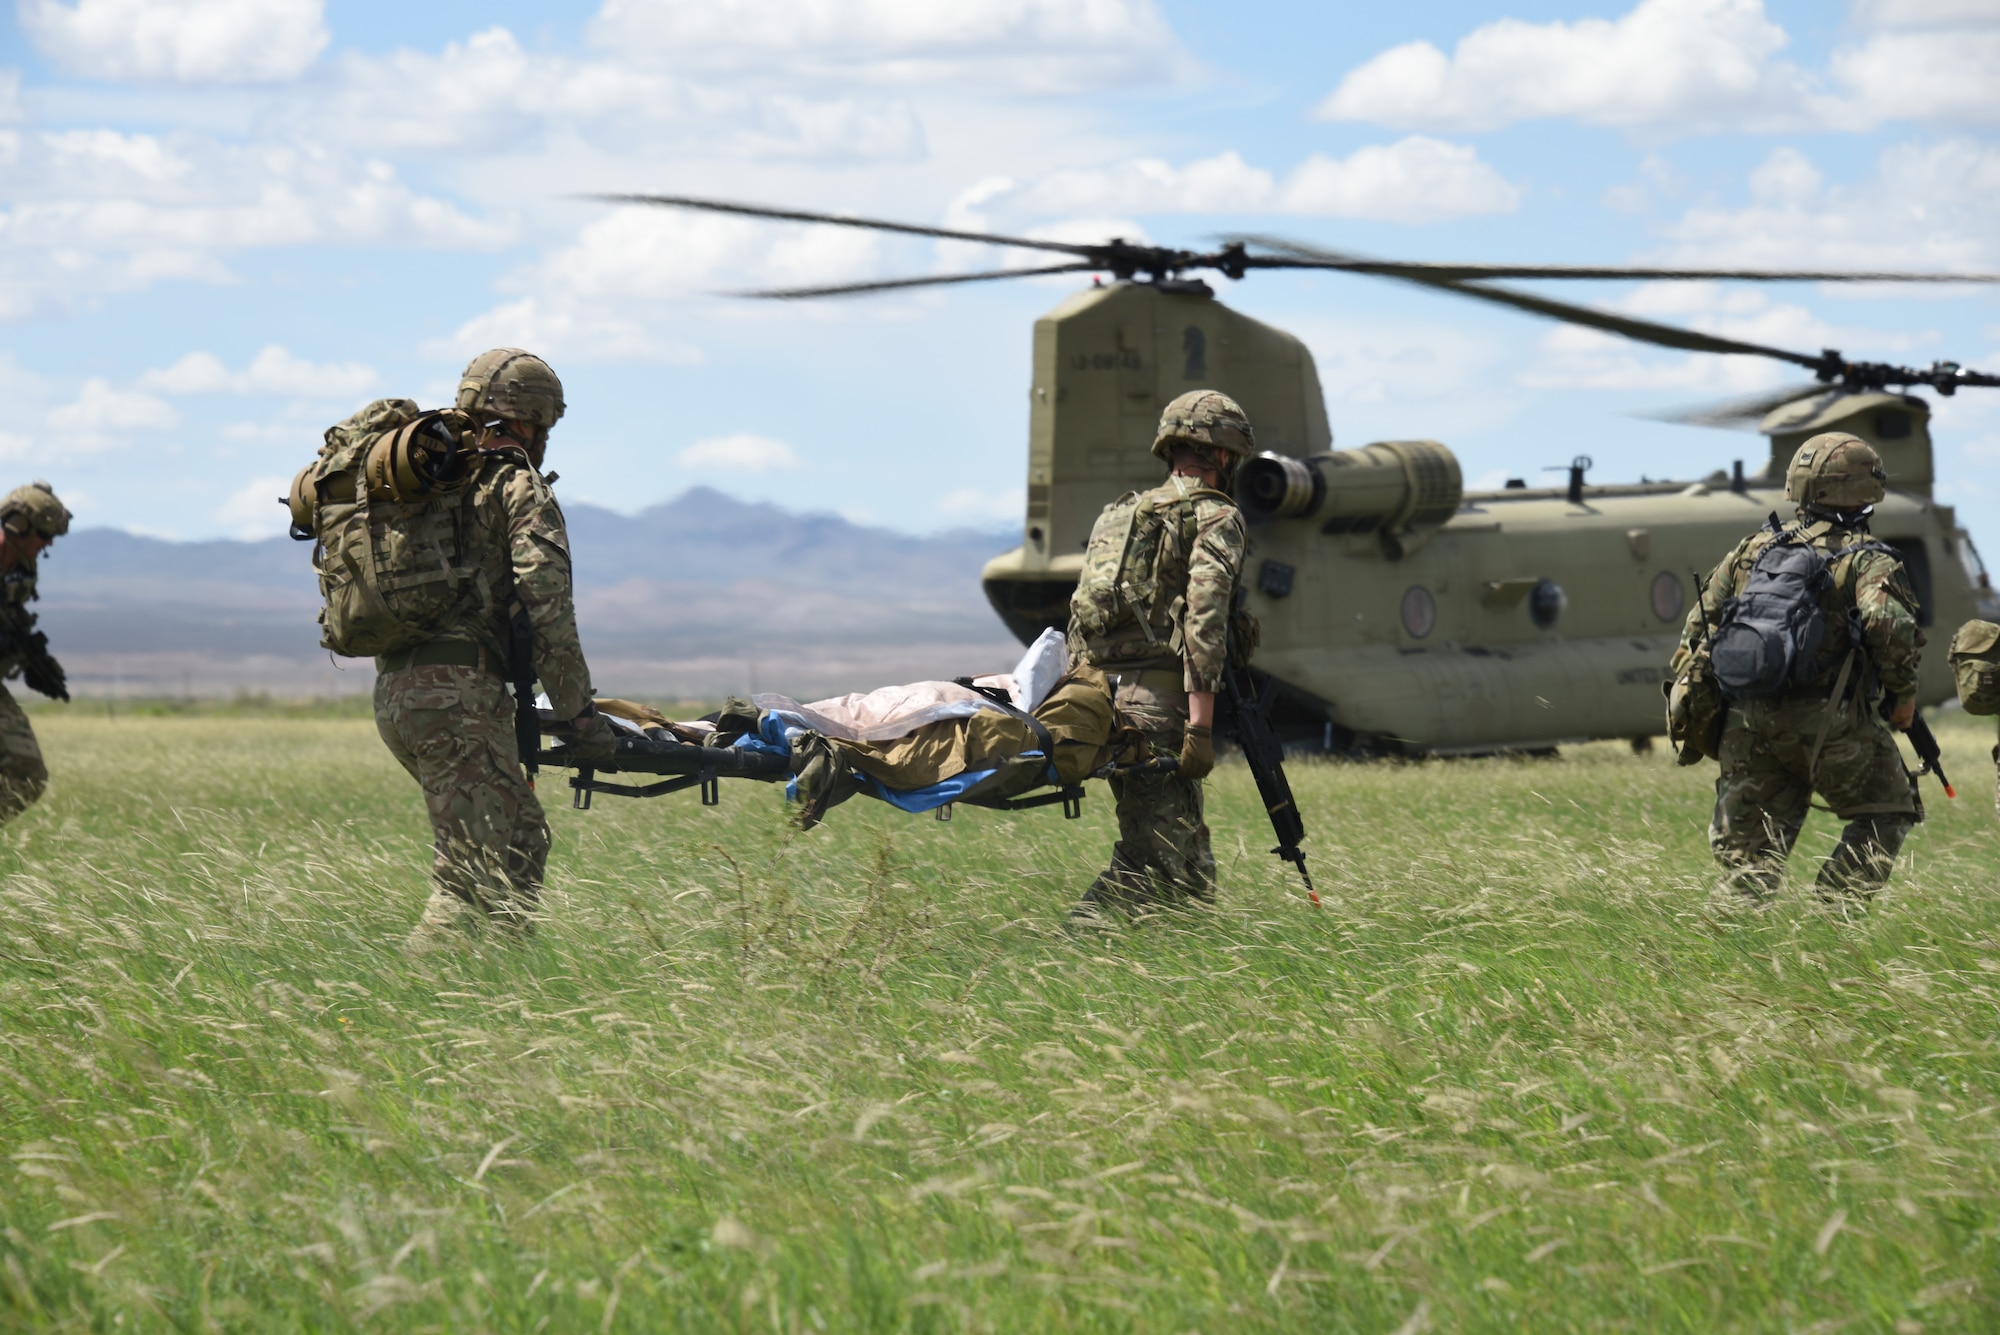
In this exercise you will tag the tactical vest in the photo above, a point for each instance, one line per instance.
(1773, 636)
(388, 561)
(1131, 596)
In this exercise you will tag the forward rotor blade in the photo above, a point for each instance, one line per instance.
(843, 220)
(1643, 331)
(1741, 412)
(893, 284)
(1420, 269)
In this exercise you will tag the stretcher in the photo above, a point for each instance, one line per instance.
(1012, 742)
(1015, 742)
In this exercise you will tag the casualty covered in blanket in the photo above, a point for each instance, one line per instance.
(919, 746)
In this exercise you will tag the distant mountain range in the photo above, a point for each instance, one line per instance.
(691, 599)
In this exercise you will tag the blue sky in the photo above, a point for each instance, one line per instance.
(226, 223)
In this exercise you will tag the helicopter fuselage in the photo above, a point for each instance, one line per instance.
(1397, 611)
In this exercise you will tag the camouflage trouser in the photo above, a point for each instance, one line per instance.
(1766, 787)
(1162, 856)
(23, 777)
(453, 730)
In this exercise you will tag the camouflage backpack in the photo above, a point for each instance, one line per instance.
(1696, 708)
(383, 506)
(1138, 552)
(1975, 666)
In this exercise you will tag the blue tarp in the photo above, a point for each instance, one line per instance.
(774, 736)
(925, 799)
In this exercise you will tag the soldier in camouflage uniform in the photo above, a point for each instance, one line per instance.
(442, 706)
(1152, 610)
(1826, 735)
(30, 519)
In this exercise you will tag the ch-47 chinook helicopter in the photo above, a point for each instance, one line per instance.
(1401, 612)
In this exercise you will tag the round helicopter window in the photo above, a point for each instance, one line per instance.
(1667, 596)
(1420, 611)
(1546, 603)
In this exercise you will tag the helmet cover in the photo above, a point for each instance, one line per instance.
(34, 509)
(1211, 423)
(1837, 471)
(511, 384)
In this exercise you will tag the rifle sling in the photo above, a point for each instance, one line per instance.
(1834, 700)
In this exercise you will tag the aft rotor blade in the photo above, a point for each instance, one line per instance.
(1293, 255)
(845, 220)
(1643, 331)
(893, 284)
(1743, 411)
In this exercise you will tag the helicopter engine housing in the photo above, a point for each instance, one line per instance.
(1391, 486)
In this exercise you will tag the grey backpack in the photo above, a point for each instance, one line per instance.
(1768, 638)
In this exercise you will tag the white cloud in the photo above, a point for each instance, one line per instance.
(1945, 76)
(595, 299)
(1688, 66)
(256, 509)
(1415, 179)
(1926, 13)
(1926, 206)
(94, 211)
(1019, 45)
(491, 94)
(741, 453)
(190, 41)
(1370, 363)
(1666, 60)
(564, 329)
(1222, 184)
(111, 157)
(273, 370)
(984, 506)
(10, 97)
(99, 410)
(285, 199)
(653, 254)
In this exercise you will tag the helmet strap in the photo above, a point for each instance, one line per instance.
(1851, 517)
(500, 432)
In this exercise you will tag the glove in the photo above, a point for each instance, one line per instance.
(1197, 751)
(45, 675)
(594, 741)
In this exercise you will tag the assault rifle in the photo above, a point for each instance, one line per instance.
(521, 671)
(1249, 715)
(39, 669)
(1926, 744)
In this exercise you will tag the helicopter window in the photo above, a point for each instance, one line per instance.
(1546, 603)
(1668, 596)
(1917, 565)
(1194, 343)
(1968, 556)
(1893, 424)
(1420, 611)
(1275, 578)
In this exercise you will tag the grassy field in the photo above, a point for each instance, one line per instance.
(1515, 1074)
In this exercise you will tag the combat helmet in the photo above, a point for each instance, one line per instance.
(1214, 424)
(1835, 471)
(34, 509)
(513, 384)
